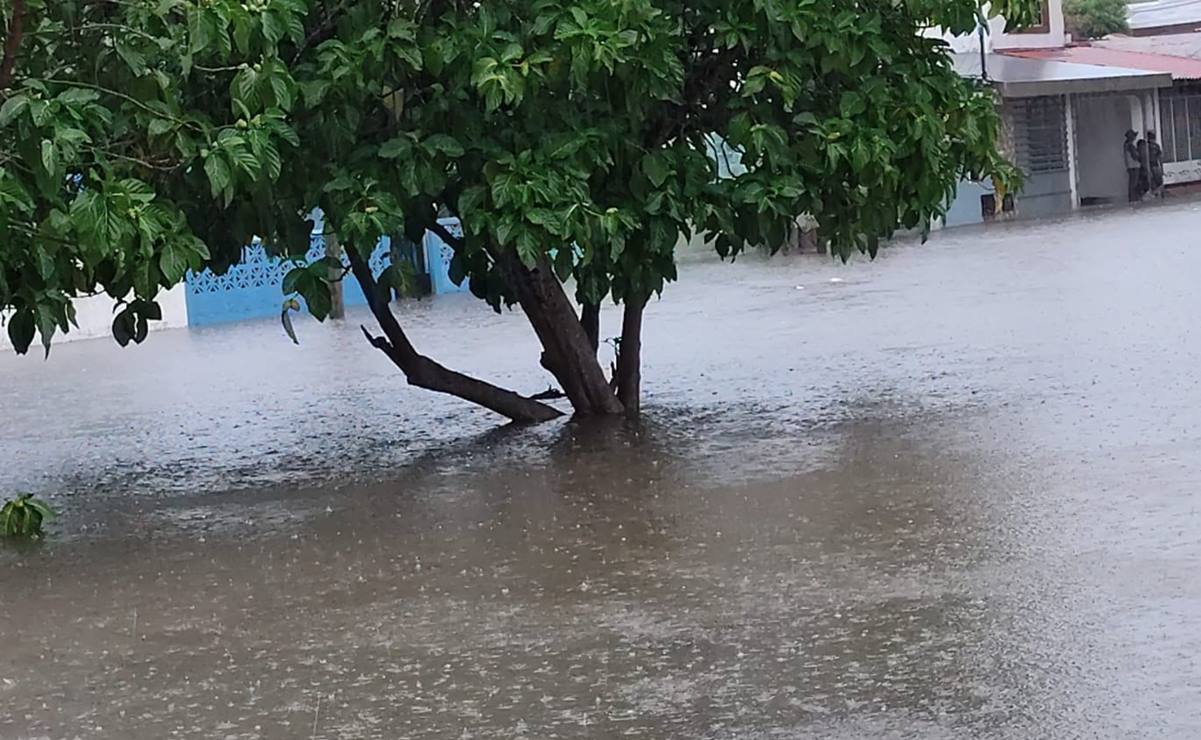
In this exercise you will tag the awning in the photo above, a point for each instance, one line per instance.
(1181, 68)
(1022, 77)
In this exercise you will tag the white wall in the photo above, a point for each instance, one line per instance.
(997, 39)
(1054, 37)
(95, 317)
(1175, 173)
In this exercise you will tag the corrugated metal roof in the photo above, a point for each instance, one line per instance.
(1022, 77)
(1180, 68)
(1186, 45)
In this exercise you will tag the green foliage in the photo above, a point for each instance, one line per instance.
(1093, 19)
(23, 517)
(144, 138)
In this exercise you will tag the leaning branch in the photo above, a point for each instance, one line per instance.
(423, 372)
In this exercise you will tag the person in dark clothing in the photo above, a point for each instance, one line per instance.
(1144, 173)
(1134, 167)
(1155, 165)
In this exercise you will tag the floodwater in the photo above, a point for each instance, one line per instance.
(948, 494)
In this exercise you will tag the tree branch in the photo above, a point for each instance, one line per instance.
(122, 96)
(12, 43)
(445, 235)
(425, 373)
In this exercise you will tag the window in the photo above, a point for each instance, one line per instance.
(1039, 133)
(1044, 25)
(1180, 114)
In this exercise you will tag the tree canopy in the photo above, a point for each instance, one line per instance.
(574, 140)
(1093, 19)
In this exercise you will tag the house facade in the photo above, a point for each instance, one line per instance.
(1065, 110)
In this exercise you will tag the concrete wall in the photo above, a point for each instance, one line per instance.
(965, 209)
(1045, 194)
(1176, 173)
(95, 317)
(1101, 125)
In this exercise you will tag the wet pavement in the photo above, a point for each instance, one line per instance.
(947, 494)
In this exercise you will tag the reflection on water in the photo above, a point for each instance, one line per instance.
(949, 496)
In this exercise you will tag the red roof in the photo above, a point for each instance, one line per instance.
(1181, 68)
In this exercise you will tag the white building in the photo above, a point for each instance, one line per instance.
(1065, 110)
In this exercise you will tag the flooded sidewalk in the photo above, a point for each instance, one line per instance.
(950, 493)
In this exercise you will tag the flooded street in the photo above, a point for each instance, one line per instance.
(951, 493)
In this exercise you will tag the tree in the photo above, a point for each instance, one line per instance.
(574, 140)
(1094, 19)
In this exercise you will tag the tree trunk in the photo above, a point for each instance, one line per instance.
(629, 357)
(425, 373)
(337, 296)
(590, 318)
(12, 42)
(569, 354)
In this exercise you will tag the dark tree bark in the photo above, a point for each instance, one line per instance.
(629, 358)
(12, 42)
(337, 295)
(425, 373)
(590, 318)
(569, 354)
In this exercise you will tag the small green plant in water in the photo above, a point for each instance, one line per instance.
(23, 517)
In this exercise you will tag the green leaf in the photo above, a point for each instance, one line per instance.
(151, 310)
(21, 329)
(133, 58)
(200, 33)
(294, 277)
(45, 263)
(246, 161)
(218, 173)
(317, 297)
(281, 92)
(74, 96)
(528, 248)
(124, 326)
(396, 148)
(49, 161)
(141, 329)
(12, 108)
(160, 126)
(655, 168)
(173, 262)
(273, 27)
(445, 144)
(285, 318)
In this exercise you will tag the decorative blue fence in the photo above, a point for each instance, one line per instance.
(253, 288)
(438, 255)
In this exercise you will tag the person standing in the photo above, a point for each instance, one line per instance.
(1134, 167)
(1155, 164)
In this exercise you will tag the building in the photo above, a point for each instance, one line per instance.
(1065, 109)
(1156, 17)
